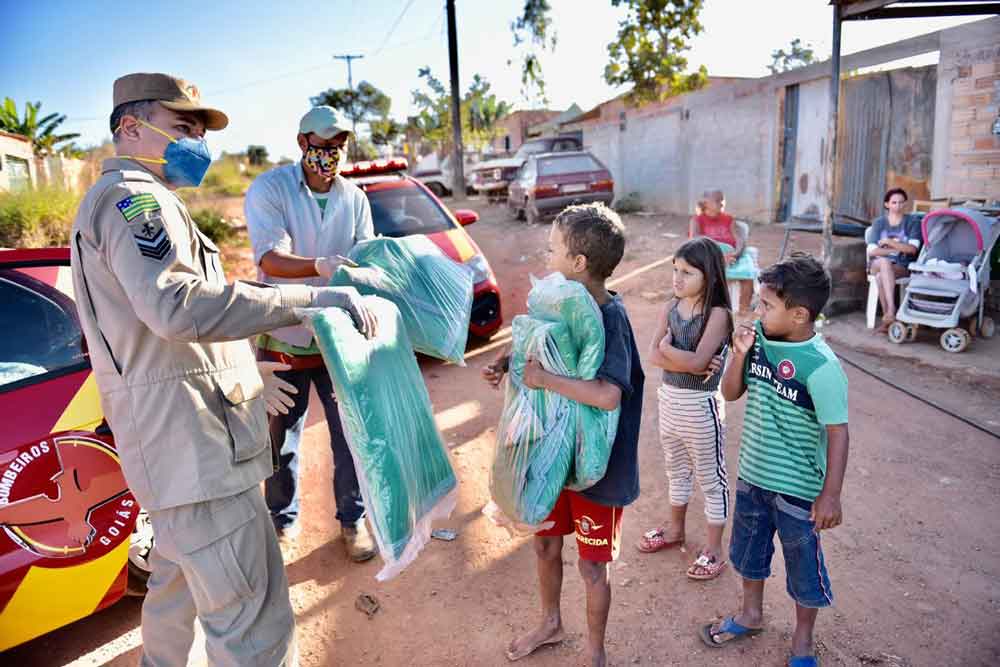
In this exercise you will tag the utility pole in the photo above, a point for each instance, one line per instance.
(458, 168)
(347, 57)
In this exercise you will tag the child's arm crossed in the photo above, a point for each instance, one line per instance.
(673, 359)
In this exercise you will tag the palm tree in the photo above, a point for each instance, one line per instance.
(41, 131)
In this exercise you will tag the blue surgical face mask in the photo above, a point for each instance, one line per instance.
(184, 161)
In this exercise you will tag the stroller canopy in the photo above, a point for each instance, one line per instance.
(958, 234)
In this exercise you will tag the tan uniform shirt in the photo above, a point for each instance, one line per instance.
(167, 339)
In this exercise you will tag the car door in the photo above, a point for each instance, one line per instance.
(66, 513)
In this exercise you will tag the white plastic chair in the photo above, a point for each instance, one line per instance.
(871, 310)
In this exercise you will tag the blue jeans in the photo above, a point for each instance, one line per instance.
(281, 490)
(759, 514)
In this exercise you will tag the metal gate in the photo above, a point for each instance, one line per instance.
(885, 138)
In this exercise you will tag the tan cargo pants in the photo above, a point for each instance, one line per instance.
(218, 561)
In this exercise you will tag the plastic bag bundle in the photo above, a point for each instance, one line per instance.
(404, 473)
(546, 441)
(745, 267)
(432, 292)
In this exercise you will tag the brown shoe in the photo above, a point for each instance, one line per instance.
(358, 542)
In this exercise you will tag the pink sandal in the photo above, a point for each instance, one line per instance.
(653, 541)
(710, 566)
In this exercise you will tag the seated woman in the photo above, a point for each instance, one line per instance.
(710, 221)
(897, 243)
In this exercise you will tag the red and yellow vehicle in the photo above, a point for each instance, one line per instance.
(68, 521)
(403, 206)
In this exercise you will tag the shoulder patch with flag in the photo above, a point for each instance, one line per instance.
(137, 204)
(142, 212)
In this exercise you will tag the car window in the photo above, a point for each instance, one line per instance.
(406, 210)
(567, 165)
(531, 148)
(41, 331)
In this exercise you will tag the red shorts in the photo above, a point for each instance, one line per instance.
(598, 528)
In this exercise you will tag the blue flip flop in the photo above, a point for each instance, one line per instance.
(729, 631)
(803, 661)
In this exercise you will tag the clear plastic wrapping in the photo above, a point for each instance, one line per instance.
(405, 476)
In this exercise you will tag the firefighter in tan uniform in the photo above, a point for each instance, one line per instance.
(179, 383)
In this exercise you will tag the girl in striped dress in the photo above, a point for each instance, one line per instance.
(689, 345)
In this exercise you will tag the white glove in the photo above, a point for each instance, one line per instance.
(348, 299)
(327, 266)
(277, 392)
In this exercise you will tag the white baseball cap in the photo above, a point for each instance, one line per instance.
(323, 122)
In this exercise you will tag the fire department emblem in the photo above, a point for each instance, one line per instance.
(65, 498)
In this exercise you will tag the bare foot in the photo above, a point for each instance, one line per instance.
(544, 634)
(598, 658)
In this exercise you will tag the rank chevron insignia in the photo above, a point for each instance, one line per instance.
(156, 247)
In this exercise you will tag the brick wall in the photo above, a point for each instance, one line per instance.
(974, 151)
(966, 153)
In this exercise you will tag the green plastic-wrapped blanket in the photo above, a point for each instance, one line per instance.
(403, 469)
(433, 292)
(546, 442)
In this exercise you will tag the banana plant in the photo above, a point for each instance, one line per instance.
(41, 131)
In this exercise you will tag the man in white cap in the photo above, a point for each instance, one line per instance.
(303, 218)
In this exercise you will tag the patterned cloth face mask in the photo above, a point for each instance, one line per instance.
(324, 162)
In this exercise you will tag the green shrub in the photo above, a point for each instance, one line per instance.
(37, 218)
(213, 225)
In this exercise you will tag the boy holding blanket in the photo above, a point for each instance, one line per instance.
(585, 245)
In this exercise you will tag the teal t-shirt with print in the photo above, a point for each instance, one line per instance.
(794, 390)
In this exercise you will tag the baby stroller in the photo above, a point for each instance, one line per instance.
(949, 278)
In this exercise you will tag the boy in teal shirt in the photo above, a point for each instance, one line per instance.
(792, 455)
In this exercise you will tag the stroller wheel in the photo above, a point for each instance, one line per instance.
(955, 340)
(897, 332)
(911, 333)
(987, 328)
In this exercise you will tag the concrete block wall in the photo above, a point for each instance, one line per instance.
(668, 153)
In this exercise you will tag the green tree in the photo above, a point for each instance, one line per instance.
(797, 55)
(364, 104)
(533, 29)
(385, 131)
(41, 131)
(484, 113)
(256, 155)
(480, 111)
(647, 53)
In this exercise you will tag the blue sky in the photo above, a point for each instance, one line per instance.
(261, 61)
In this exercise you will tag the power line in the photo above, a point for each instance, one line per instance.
(393, 28)
(258, 82)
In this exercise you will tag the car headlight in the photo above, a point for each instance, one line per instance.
(480, 269)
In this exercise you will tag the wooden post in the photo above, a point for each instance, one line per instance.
(831, 161)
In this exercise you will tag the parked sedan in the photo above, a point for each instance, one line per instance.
(402, 206)
(73, 539)
(550, 182)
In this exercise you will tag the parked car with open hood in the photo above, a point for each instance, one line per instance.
(492, 177)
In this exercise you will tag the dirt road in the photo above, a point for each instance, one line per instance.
(915, 567)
